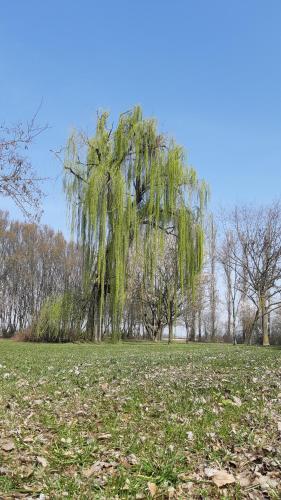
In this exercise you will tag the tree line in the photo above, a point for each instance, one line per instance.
(36, 264)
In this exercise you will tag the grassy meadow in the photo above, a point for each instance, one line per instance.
(139, 421)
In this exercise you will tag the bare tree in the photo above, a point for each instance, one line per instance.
(158, 302)
(213, 295)
(256, 257)
(232, 281)
(194, 307)
(18, 180)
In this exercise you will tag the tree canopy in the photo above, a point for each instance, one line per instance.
(128, 187)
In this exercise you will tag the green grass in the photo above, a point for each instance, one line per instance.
(142, 413)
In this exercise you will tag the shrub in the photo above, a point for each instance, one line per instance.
(59, 320)
(23, 335)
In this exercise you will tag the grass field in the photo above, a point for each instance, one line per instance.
(139, 421)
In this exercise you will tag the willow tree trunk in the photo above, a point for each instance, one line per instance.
(192, 330)
(171, 331)
(199, 325)
(186, 332)
(91, 323)
(160, 333)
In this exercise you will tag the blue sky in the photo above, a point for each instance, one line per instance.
(209, 70)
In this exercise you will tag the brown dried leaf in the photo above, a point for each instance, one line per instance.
(266, 482)
(4, 471)
(26, 472)
(132, 459)
(8, 445)
(152, 489)
(87, 473)
(222, 477)
(97, 467)
(28, 439)
(237, 401)
(171, 492)
(210, 472)
(42, 461)
(103, 436)
(244, 479)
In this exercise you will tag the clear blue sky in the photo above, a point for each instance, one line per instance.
(209, 70)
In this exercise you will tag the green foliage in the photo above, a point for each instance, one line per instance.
(129, 187)
(59, 320)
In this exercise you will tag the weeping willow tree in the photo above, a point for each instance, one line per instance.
(127, 188)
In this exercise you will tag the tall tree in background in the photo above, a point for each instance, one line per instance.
(18, 180)
(129, 187)
(233, 283)
(195, 304)
(213, 295)
(256, 257)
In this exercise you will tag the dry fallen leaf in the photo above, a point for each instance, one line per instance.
(237, 401)
(104, 435)
(132, 459)
(171, 492)
(4, 471)
(42, 461)
(221, 478)
(190, 436)
(244, 479)
(97, 467)
(104, 387)
(8, 445)
(87, 473)
(279, 426)
(266, 482)
(26, 472)
(210, 472)
(152, 489)
(94, 469)
(28, 439)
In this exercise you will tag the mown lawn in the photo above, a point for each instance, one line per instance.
(139, 421)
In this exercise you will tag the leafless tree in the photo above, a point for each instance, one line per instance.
(256, 258)
(18, 180)
(212, 281)
(194, 307)
(155, 304)
(232, 281)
